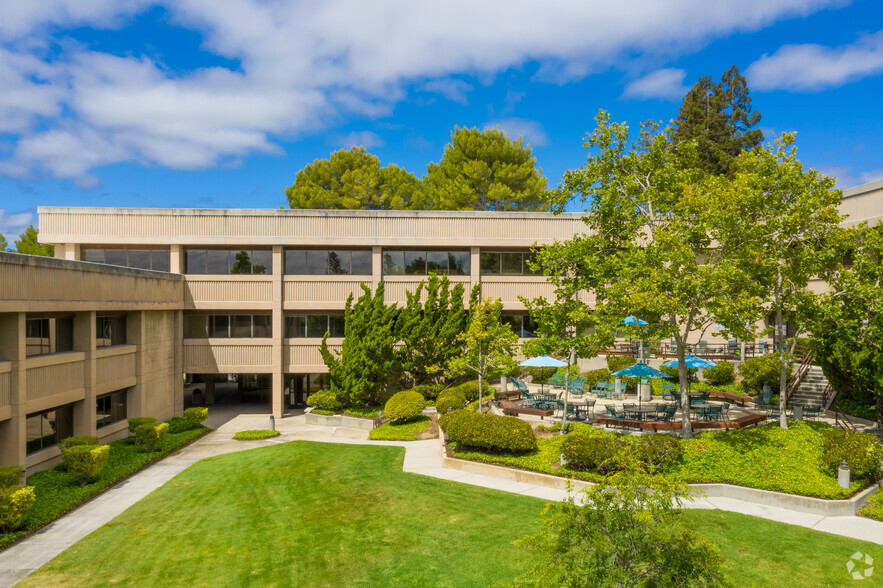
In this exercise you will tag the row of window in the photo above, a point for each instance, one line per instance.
(48, 428)
(226, 326)
(505, 263)
(228, 261)
(56, 334)
(149, 259)
(421, 263)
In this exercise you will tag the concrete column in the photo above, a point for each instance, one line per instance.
(209, 389)
(84, 340)
(474, 269)
(13, 431)
(278, 332)
(178, 353)
(376, 266)
(72, 252)
(176, 259)
(137, 400)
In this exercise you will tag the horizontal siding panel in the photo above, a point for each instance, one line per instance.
(297, 356)
(114, 368)
(5, 389)
(228, 291)
(217, 357)
(322, 291)
(60, 378)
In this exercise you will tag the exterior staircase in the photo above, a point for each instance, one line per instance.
(811, 391)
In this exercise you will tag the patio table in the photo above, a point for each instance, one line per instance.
(640, 413)
(707, 411)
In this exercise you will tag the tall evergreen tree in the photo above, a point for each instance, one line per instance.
(3, 243)
(29, 244)
(719, 117)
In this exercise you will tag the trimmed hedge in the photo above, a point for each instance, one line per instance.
(761, 370)
(404, 406)
(255, 434)
(657, 451)
(179, 425)
(151, 436)
(85, 462)
(326, 400)
(861, 451)
(196, 415)
(591, 451)
(592, 377)
(450, 399)
(11, 476)
(489, 432)
(722, 374)
(14, 506)
(429, 391)
(78, 441)
(136, 422)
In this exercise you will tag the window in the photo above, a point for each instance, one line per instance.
(229, 261)
(314, 325)
(48, 335)
(150, 259)
(110, 408)
(37, 335)
(521, 324)
(225, 326)
(110, 330)
(320, 262)
(45, 429)
(506, 263)
(421, 263)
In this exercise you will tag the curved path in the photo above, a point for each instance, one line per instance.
(421, 457)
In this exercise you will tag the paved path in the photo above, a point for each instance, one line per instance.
(421, 457)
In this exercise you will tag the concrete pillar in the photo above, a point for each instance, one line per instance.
(137, 400)
(376, 266)
(13, 431)
(84, 340)
(278, 369)
(474, 269)
(178, 354)
(72, 251)
(209, 389)
(176, 259)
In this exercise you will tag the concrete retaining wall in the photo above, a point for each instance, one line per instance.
(339, 420)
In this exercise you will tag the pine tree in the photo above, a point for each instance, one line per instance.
(29, 244)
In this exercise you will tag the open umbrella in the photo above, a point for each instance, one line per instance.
(633, 320)
(640, 370)
(692, 362)
(543, 361)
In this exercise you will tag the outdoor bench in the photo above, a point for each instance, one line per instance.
(512, 409)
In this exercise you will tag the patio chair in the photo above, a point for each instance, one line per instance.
(577, 386)
(764, 399)
(725, 412)
(669, 392)
(612, 412)
(599, 389)
(702, 347)
(618, 389)
(556, 381)
(519, 385)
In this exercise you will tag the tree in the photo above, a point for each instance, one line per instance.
(429, 329)
(488, 344)
(793, 222)
(353, 179)
(28, 244)
(367, 364)
(847, 329)
(625, 530)
(662, 242)
(3, 243)
(484, 170)
(719, 117)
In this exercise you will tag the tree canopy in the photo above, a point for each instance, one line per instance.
(720, 119)
(29, 245)
(3, 243)
(485, 170)
(354, 179)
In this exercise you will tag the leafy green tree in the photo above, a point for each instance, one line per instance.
(354, 179)
(243, 265)
(488, 345)
(484, 170)
(625, 530)
(793, 221)
(29, 245)
(662, 243)
(429, 329)
(720, 119)
(367, 365)
(848, 326)
(3, 243)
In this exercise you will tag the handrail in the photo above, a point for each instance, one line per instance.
(828, 396)
(797, 378)
(842, 420)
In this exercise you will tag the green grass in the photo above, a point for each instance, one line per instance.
(874, 509)
(58, 492)
(311, 514)
(255, 434)
(400, 432)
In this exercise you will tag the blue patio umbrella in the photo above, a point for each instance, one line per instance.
(543, 361)
(640, 370)
(633, 320)
(692, 362)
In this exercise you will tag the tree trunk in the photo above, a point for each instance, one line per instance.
(783, 371)
(480, 378)
(570, 360)
(685, 388)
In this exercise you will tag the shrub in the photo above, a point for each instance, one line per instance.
(491, 432)
(326, 400)
(874, 508)
(445, 420)
(592, 377)
(618, 362)
(255, 434)
(14, 506)
(429, 391)
(77, 441)
(657, 451)
(673, 372)
(11, 476)
(136, 422)
(179, 425)
(861, 451)
(151, 435)
(86, 461)
(470, 389)
(450, 399)
(722, 374)
(404, 406)
(761, 370)
(196, 415)
(588, 450)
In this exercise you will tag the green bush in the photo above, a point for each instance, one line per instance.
(490, 432)
(78, 440)
(450, 399)
(861, 451)
(857, 408)
(255, 434)
(326, 400)
(136, 422)
(618, 362)
(592, 377)
(673, 372)
(196, 415)
(11, 476)
(151, 435)
(15, 503)
(404, 406)
(429, 391)
(874, 508)
(592, 451)
(470, 389)
(85, 462)
(179, 425)
(720, 375)
(761, 370)
(657, 451)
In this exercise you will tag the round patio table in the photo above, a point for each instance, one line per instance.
(640, 413)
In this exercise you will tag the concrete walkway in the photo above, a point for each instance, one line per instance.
(421, 457)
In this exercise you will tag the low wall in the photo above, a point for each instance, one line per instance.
(339, 420)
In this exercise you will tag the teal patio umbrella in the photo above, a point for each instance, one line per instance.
(543, 361)
(692, 362)
(633, 320)
(640, 370)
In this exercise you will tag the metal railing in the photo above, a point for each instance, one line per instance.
(841, 420)
(802, 369)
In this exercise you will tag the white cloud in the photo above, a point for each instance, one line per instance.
(849, 177)
(531, 131)
(13, 225)
(666, 84)
(302, 66)
(366, 139)
(815, 67)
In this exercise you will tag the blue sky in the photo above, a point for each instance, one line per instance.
(218, 103)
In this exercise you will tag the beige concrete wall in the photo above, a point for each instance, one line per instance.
(160, 387)
(863, 203)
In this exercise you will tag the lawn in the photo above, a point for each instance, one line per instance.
(311, 514)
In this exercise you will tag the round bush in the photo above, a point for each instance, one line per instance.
(861, 451)
(429, 391)
(404, 406)
(11, 476)
(470, 389)
(15, 502)
(446, 420)
(587, 450)
(78, 440)
(761, 370)
(86, 461)
(491, 432)
(450, 399)
(592, 377)
(325, 400)
(136, 422)
(196, 415)
(178, 425)
(722, 374)
(657, 451)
